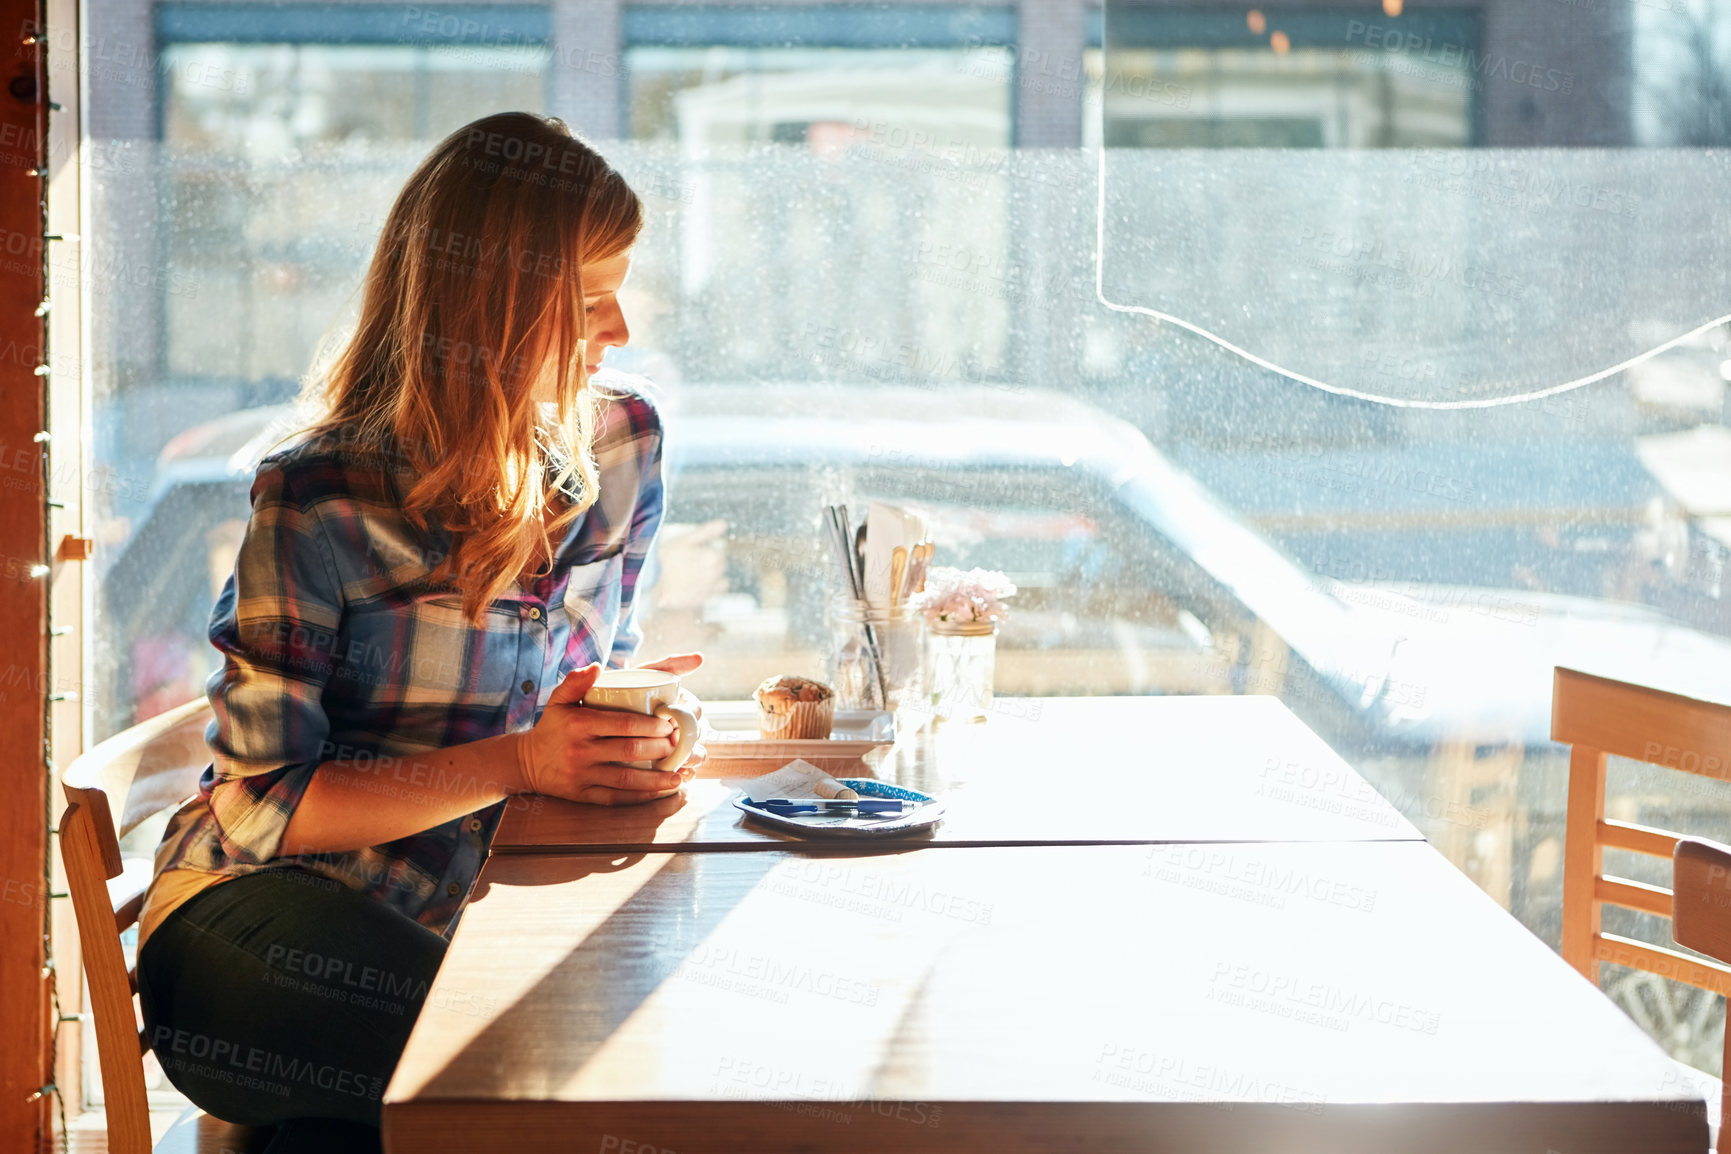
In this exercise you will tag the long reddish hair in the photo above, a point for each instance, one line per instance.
(474, 295)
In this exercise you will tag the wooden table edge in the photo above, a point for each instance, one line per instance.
(737, 1126)
(889, 845)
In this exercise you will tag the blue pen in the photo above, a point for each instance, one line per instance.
(798, 805)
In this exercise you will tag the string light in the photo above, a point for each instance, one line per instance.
(1257, 22)
(1392, 7)
(33, 35)
(1341, 390)
(1280, 43)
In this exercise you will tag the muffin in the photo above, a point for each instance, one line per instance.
(794, 708)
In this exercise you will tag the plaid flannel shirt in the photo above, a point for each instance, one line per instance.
(336, 647)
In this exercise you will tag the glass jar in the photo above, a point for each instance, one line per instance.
(879, 668)
(961, 661)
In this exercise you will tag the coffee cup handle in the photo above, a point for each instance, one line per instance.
(687, 736)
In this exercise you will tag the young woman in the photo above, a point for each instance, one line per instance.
(431, 579)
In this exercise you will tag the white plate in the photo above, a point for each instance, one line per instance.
(926, 816)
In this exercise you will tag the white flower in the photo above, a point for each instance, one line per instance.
(953, 596)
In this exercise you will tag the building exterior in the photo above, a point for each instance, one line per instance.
(215, 83)
(1554, 74)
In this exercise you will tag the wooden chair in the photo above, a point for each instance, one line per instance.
(1598, 717)
(1701, 920)
(140, 772)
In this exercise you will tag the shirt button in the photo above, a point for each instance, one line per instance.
(453, 889)
(528, 687)
(474, 825)
(534, 615)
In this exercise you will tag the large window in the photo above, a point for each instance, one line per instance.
(1192, 78)
(820, 97)
(870, 273)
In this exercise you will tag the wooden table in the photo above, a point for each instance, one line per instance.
(1183, 769)
(1293, 998)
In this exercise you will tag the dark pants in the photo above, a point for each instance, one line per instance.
(285, 997)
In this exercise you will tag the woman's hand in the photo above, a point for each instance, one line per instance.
(576, 752)
(681, 664)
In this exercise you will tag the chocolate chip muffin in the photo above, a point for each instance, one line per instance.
(794, 708)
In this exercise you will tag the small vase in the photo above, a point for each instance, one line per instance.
(961, 659)
(879, 670)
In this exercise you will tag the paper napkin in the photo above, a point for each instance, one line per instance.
(888, 527)
(798, 778)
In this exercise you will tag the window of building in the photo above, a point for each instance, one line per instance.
(856, 285)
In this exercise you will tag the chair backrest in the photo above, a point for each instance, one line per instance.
(1598, 717)
(1701, 920)
(137, 773)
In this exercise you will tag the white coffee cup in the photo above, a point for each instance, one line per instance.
(651, 692)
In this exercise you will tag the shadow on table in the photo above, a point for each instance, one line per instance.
(701, 817)
(615, 968)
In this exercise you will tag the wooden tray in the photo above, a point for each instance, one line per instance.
(731, 736)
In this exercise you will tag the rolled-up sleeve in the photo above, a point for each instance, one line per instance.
(645, 523)
(276, 625)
